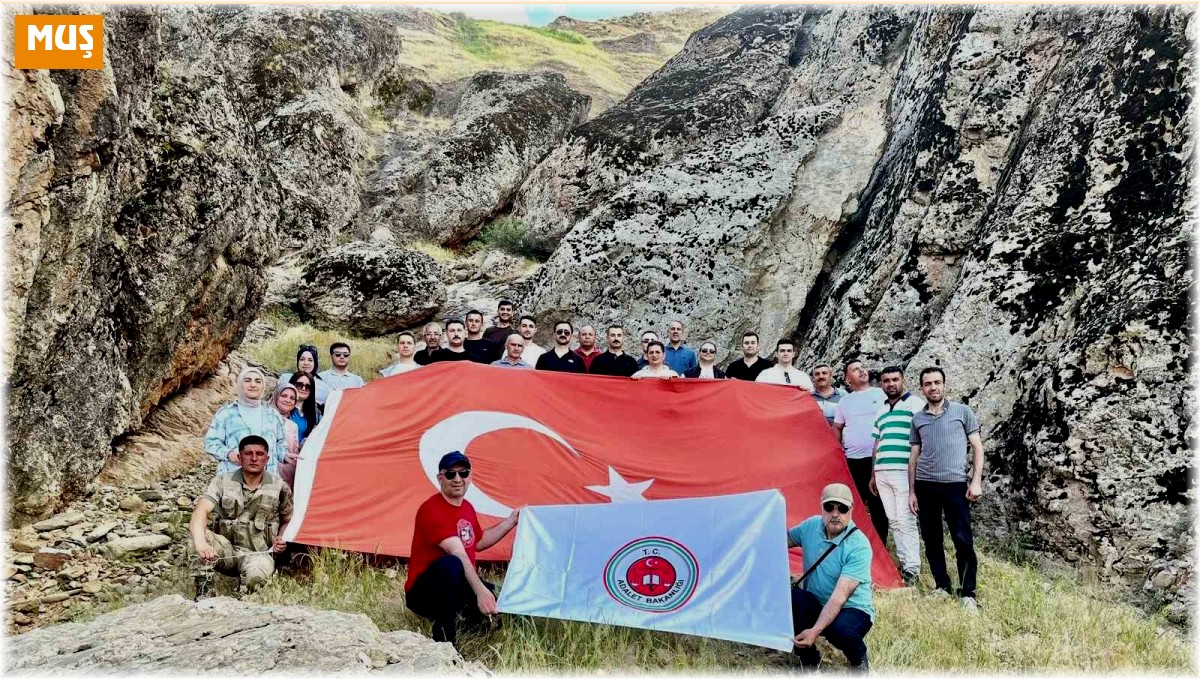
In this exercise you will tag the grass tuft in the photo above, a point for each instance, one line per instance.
(512, 236)
(472, 38)
(367, 356)
(439, 253)
(570, 37)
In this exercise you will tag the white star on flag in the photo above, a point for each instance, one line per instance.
(620, 490)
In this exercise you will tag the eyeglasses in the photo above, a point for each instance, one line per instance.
(302, 385)
(708, 351)
(830, 506)
(450, 474)
(787, 377)
(341, 354)
(562, 332)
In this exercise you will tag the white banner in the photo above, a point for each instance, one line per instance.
(713, 567)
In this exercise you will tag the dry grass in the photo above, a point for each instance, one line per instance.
(1028, 622)
(367, 356)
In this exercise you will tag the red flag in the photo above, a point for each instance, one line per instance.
(537, 437)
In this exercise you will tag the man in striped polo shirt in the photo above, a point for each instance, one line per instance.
(890, 482)
(942, 483)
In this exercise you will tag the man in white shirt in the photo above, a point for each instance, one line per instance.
(527, 328)
(783, 372)
(406, 348)
(854, 424)
(339, 376)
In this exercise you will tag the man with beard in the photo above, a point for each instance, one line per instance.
(893, 426)
(942, 484)
(499, 332)
(615, 361)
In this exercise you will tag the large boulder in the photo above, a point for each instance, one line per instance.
(446, 189)
(143, 215)
(722, 81)
(147, 200)
(224, 636)
(307, 76)
(371, 288)
(1003, 192)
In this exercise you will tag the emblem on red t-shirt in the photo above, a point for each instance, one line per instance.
(466, 532)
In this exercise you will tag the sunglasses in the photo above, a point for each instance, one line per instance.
(341, 354)
(787, 377)
(830, 506)
(302, 385)
(562, 332)
(708, 351)
(451, 474)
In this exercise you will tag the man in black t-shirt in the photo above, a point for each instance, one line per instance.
(504, 325)
(560, 358)
(750, 364)
(615, 361)
(454, 350)
(481, 349)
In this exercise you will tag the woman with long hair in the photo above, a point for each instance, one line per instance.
(306, 415)
(307, 360)
(243, 417)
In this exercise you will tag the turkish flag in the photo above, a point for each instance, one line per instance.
(537, 437)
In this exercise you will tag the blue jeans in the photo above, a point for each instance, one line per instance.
(846, 633)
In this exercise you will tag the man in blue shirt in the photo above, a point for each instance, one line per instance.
(835, 601)
(679, 358)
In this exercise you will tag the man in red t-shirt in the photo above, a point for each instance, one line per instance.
(442, 580)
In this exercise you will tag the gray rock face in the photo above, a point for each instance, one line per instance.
(147, 199)
(372, 288)
(1003, 192)
(225, 636)
(503, 124)
(725, 78)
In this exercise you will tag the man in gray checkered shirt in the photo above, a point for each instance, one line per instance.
(943, 483)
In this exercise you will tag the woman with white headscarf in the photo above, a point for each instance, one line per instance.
(284, 401)
(245, 416)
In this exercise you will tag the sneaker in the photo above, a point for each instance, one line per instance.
(971, 605)
(939, 593)
(910, 578)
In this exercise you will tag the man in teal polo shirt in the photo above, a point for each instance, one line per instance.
(835, 601)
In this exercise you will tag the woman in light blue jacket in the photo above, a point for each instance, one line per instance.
(249, 414)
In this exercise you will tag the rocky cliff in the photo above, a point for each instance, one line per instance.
(1003, 192)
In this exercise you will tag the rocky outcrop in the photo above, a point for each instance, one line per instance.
(371, 288)
(226, 636)
(503, 124)
(1003, 192)
(725, 78)
(147, 200)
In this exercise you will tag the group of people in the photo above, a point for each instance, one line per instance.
(915, 459)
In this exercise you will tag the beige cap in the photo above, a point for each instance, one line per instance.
(838, 492)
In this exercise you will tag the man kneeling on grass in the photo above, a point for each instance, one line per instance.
(835, 601)
(442, 580)
(252, 509)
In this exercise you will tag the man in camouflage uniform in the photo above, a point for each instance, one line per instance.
(252, 509)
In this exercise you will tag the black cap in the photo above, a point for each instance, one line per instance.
(452, 458)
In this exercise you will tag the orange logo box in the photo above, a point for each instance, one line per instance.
(59, 41)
